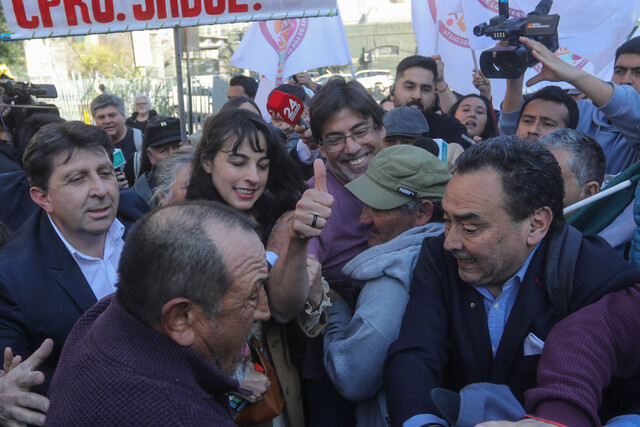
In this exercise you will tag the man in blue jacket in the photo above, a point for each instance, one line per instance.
(485, 295)
(612, 114)
(64, 257)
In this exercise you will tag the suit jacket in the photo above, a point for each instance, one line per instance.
(444, 339)
(42, 291)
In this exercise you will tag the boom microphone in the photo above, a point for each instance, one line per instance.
(287, 108)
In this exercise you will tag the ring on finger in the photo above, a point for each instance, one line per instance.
(314, 221)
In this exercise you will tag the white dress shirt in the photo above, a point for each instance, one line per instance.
(100, 273)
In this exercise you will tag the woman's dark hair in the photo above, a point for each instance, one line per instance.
(490, 127)
(231, 128)
(236, 102)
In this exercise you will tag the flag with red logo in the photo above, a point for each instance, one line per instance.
(439, 27)
(278, 49)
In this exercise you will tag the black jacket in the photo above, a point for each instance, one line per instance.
(446, 127)
(444, 339)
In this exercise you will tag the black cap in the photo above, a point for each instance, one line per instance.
(162, 130)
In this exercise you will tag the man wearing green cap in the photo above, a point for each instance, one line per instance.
(402, 191)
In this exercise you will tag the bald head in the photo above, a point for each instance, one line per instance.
(175, 252)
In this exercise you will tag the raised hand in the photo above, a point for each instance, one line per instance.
(440, 67)
(481, 83)
(313, 210)
(554, 69)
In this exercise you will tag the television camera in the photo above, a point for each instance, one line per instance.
(510, 62)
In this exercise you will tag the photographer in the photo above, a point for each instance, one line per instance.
(7, 153)
(613, 112)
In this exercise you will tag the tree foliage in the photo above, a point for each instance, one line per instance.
(102, 60)
(12, 52)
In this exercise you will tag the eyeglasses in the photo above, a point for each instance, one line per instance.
(336, 143)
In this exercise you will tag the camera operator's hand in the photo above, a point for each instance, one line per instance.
(555, 69)
(513, 94)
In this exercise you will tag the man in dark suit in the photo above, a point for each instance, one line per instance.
(65, 256)
(485, 295)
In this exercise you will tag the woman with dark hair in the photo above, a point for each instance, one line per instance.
(476, 113)
(241, 162)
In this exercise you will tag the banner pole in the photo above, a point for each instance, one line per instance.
(436, 37)
(178, 52)
(475, 59)
(189, 89)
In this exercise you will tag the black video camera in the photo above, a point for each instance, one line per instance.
(20, 93)
(510, 62)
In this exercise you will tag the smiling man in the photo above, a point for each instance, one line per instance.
(486, 294)
(64, 257)
(346, 122)
(545, 111)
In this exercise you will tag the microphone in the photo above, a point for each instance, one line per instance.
(287, 108)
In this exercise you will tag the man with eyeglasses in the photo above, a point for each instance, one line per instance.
(346, 122)
(143, 114)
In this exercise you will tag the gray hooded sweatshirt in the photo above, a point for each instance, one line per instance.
(355, 347)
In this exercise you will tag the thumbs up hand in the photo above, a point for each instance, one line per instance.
(313, 210)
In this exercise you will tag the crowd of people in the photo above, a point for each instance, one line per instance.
(404, 263)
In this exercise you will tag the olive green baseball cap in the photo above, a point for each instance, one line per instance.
(399, 175)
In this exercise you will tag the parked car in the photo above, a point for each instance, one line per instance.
(376, 81)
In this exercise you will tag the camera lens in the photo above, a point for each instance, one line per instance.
(509, 63)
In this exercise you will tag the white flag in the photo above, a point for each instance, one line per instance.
(278, 49)
(593, 29)
(439, 27)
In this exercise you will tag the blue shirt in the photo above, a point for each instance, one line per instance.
(498, 308)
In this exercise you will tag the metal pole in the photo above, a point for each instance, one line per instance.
(178, 51)
(189, 92)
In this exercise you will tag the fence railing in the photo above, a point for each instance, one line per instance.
(75, 96)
